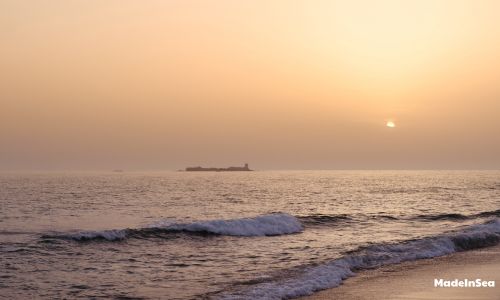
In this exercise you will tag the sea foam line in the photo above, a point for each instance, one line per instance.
(264, 225)
(331, 274)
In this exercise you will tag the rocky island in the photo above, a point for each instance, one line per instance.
(199, 169)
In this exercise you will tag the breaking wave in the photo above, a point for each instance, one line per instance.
(264, 225)
(331, 274)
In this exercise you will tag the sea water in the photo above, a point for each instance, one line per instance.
(230, 235)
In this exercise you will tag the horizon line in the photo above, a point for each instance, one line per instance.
(255, 170)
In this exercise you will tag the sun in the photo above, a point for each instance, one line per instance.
(390, 124)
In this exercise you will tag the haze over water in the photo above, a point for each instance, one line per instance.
(161, 85)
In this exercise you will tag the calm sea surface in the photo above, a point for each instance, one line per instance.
(240, 235)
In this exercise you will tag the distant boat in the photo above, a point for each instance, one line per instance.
(118, 171)
(230, 169)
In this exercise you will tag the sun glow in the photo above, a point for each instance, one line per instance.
(390, 124)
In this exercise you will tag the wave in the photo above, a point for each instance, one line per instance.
(321, 219)
(439, 217)
(456, 216)
(324, 219)
(264, 225)
(493, 213)
(331, 274)
(110, 235)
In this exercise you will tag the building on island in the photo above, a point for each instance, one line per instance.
(197, 169)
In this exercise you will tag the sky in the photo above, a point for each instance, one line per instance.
(161, 85)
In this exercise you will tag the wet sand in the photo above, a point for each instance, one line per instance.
(415, 280)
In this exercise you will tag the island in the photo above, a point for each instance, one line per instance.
(199, 169)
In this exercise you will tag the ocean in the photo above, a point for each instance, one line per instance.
(230, 235)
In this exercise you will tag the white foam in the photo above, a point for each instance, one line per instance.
(265, 225)
(272, 224)
(110, 235)
(332, 274)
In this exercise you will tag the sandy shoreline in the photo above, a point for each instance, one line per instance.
(415, 280)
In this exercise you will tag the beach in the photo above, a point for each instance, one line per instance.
(415, 279)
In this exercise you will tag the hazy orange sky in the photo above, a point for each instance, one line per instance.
(278, 84)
